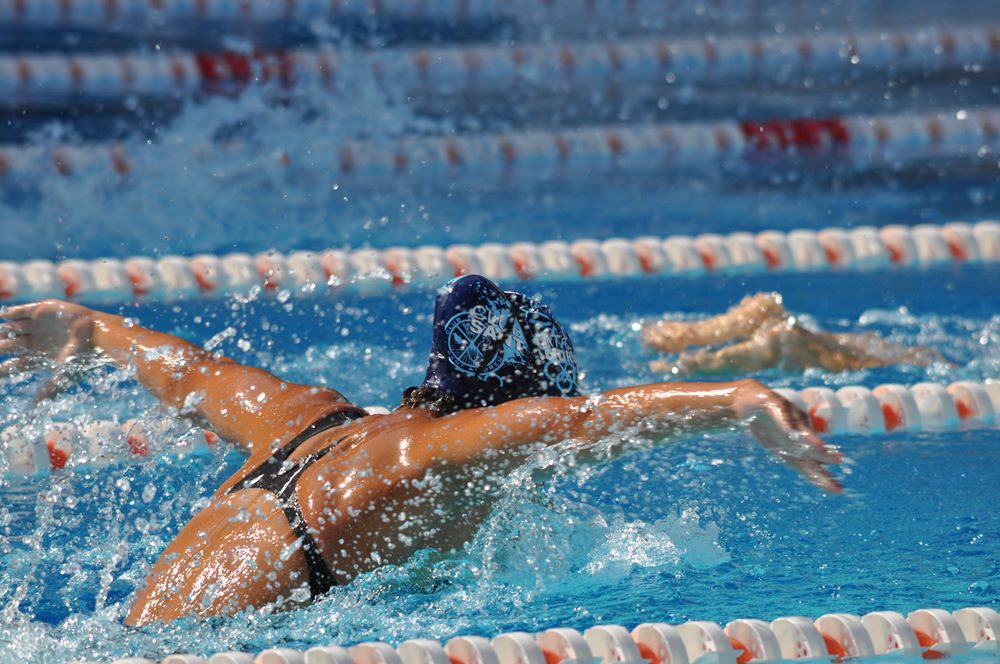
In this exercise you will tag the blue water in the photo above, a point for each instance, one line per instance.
(706, 527)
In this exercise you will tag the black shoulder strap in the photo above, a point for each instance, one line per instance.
(272, 466)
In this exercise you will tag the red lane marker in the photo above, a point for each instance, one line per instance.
(745, 654)
(346, 159)
(771, 258)
(422, 61)
(57, 457)
(567, 59)
(819, 424)
(807, 133)
(563, 146)
(461, 269)
(614, 56)
(138, 445)
(203, 283)
(707, 259)
(926, 641)
(453, 153)
(60, 163)
(508, 150)
(120, 162)
(892, 421)
(400, 161)
(663, 54)
(649, 654)
(138, 289)
(834, 648)
(394, 270)
(800, 133)
(208, 67)
(838, 130)
(722, 140)
(472, 61)
(956, 250)
(177, 72)
(240, 66)
(267, 279)
(964, 412)
(521, 269)
(615, 143)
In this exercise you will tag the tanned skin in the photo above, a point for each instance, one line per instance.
(764, 335)
(393, 484)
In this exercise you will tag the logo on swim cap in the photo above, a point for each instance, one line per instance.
(475, 338)
(553, 347)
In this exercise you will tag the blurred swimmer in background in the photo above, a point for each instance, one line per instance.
(762, 334)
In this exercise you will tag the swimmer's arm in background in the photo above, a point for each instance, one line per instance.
(245, 405)
(740, 320)
(660, 408)
(760, 351)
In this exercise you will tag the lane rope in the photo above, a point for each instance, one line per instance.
(929, 633)
(374, 271)
(626, 67)
(848, 410)
(505, 159)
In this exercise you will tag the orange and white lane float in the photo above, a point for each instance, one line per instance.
(929, 633)
(893, 408)
(373, 271)
(623, 66)
(849, 410)
(498, 159)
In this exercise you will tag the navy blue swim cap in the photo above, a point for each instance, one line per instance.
(491, 346)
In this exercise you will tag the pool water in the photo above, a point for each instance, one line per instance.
(706, 527)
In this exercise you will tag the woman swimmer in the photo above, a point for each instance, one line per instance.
(769, 336)
(329, 491)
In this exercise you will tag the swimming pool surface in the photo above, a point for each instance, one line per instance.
(707, 527)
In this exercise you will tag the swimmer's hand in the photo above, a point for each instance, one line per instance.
(783, 429)
(667, 336)
(48, 331)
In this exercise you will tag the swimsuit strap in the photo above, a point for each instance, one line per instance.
(281, 478)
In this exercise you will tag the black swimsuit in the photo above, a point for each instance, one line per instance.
(281, 478)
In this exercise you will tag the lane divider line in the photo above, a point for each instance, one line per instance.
(465, 72)
(848, 410)
(929, 633)
(599, 151)
(373, 271)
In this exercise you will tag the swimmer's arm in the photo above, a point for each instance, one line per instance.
(740, 320)
(245, 405)
(660, 408)
(760, 351)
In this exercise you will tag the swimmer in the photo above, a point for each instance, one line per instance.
(329, 491)
(768, 336)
